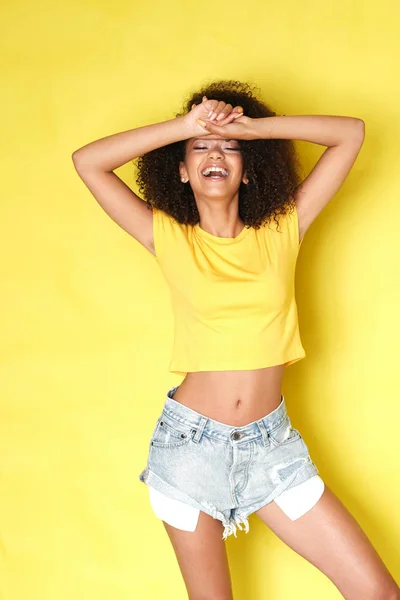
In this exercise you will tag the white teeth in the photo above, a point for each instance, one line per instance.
(207, 171)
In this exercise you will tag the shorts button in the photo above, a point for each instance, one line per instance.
(183, 435)
(236, 435)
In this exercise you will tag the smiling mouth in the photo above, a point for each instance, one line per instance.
(215, 173)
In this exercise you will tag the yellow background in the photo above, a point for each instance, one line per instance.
(86, 321)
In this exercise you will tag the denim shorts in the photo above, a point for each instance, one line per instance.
(228, 472)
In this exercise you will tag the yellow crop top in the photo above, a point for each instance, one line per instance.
(233, 299)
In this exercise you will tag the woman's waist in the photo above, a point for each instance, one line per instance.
(232, 397)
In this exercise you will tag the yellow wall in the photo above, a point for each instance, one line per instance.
(87, 327)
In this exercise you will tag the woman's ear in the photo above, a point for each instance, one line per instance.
(244, 178)
(183, 172)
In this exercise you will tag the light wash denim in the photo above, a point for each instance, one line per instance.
(228, 472)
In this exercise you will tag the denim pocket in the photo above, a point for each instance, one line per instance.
(171, 434)
(284, 434)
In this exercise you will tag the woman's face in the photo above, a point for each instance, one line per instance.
(213, 166)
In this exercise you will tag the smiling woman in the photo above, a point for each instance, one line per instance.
(214, 167)
(270, 167)
(217, 179)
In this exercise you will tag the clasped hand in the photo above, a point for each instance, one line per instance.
(218, 118)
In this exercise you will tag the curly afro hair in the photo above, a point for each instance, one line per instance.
(272, 166)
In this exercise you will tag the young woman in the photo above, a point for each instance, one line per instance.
(224, 216)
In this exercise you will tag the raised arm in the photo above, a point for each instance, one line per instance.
(96, 162)
(344, 137)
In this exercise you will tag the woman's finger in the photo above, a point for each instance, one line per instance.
(226, 111)
(226, 120)
(219, 108)
(229, 110)
(233, 116)
(237, 112)
(209, 107)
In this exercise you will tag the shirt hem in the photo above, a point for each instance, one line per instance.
(229, 366)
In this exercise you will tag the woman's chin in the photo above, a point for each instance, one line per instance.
(217, 188)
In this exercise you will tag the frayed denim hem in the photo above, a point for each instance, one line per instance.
(230, 525)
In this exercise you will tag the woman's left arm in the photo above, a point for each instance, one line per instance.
(344, 137)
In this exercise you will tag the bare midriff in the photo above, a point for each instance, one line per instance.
(232, 397)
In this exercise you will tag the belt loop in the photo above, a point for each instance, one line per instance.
(197, 437)
(264, 433)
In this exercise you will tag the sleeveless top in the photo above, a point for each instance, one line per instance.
(233, 299)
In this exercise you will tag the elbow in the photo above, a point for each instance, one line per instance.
(360, 128)
(77, 159)
(76, 155)
(355, 133)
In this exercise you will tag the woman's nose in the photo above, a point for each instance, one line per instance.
(216, 153)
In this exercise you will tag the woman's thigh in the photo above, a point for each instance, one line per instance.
(202, 559)
(332, 540)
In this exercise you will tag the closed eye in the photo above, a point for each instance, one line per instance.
(205, 148)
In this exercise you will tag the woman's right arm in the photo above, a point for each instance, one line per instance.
(96, 162)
